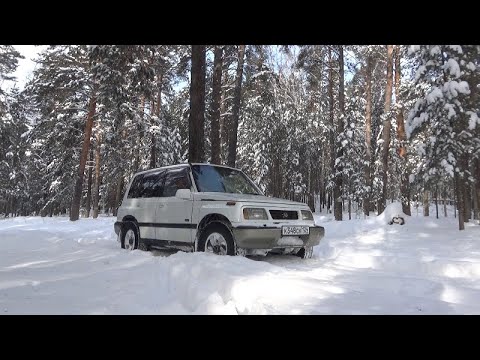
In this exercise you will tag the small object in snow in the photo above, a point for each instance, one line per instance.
(397, 220)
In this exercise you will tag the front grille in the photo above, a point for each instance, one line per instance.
(284, 215)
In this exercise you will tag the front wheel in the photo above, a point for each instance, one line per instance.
(216, 239)
(306, 252)
(129, 237)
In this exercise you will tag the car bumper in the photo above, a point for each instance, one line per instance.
(250, 237)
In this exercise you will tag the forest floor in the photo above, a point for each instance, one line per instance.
(427, 266)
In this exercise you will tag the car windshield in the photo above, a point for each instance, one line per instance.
(219, 179)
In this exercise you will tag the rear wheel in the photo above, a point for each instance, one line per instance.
(216, 239)
(129, 237)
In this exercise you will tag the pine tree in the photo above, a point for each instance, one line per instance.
(197, 105)
(386, 129)
(301, 129)
(60, 92)
(401, 136)
(338, 179)
(11, 129)
(233, 126)
(447, 113)
(215, 105)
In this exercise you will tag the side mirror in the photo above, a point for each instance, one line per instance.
(183, 194)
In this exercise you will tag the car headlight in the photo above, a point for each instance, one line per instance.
(307, 215)
(254, 214)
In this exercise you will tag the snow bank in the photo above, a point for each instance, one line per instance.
(54, 266)
(392, 210)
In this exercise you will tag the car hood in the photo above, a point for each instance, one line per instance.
(216, 196)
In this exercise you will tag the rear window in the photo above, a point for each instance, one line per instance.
(147, 185)
(136, 187)
(162, 183)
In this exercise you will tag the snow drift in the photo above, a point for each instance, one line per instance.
(54, 266)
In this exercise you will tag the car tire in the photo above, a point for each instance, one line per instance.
(129, 236)
(216, 238)
(305, 252)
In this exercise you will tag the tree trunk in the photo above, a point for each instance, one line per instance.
(349, 209)
(401, 135)
(96, 191)
(111, 198)
(232, 139)
(311, 192)
(89, 189)
(368, 136)
(337, 188)
(223, 128)
(402, 139)
(468, 202)
(455, 206)
(153, 147)
(426, 204)
(329, 203)
(476, 164)
(215, 105)
(331, 108)
(156, 109)
(386, 130)
(118, 195)
(460, 194)
(136, 161)
(445, 201)
(278, 190)
(475, 203)
(436, 201)
(196, 120)
(77, 195)
(43, 212)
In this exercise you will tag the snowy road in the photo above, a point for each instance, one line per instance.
(53, 266)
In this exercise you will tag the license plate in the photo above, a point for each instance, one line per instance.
(295, 230)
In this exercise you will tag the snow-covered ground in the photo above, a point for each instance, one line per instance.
(53, 266)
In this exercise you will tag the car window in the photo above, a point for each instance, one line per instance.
(153, 184)
(176, 179)
(136, 187)
(147, 185)
(219, 179)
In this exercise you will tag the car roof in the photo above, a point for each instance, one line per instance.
(162, 168)
(182, 165)
(224, 166)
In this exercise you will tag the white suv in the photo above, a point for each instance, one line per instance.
(212, 208)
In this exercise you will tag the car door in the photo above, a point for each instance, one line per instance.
(174, 215)
(147, 202)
